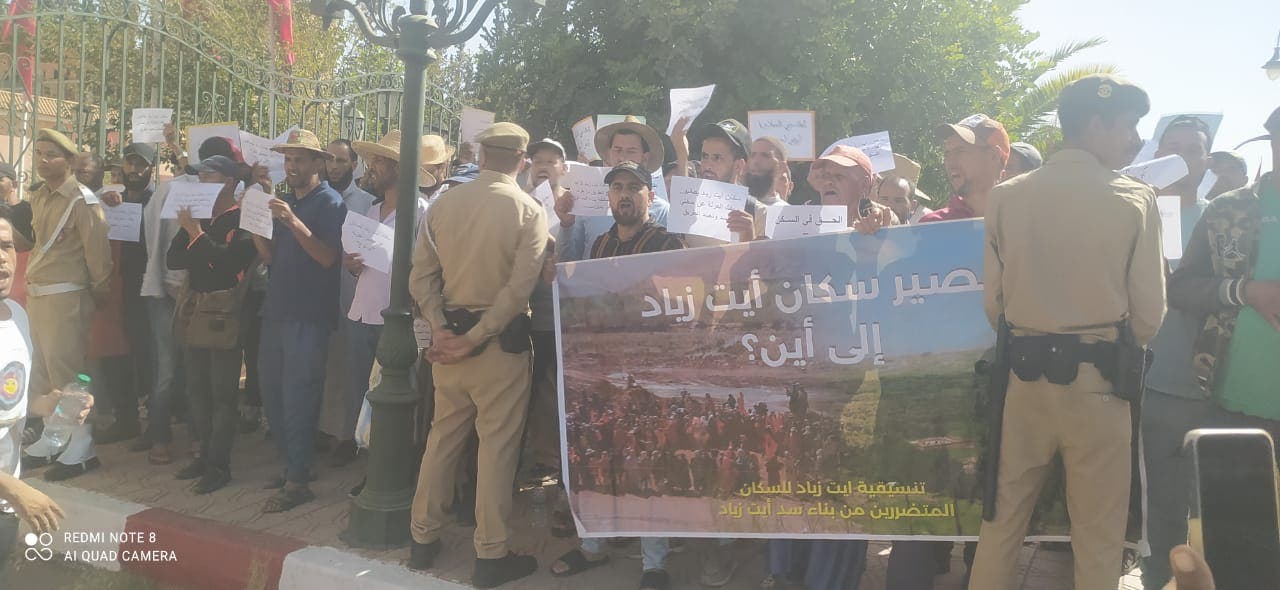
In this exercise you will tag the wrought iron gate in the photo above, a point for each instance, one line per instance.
(82, 66)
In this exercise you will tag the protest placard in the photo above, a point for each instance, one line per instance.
(584, 137)
(148, 124)
(688, 102)
(590, 195)
(370, 239)
(197, 134)
(876, 146)
(1206, 184)
(473, 122)
(547, 197)
(257, 151)
(1159, 173)
(701, 207)
(793, 221)
(796, 130)
(198, 196)
(1171, 225)
(815, 388)
(124, 222)
(255, 214)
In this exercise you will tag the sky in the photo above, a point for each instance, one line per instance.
(1188, 55)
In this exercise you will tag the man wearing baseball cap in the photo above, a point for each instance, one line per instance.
(68, 276)
(627, 140)
(843, 176)
(1229, 275)
(724, 149)
(1023, 158)
(300, 311)
(975, 152)
(1232, 172)
(474, 267)
(542, 434)
(630, 188)
(138, 160)
(1074, 268)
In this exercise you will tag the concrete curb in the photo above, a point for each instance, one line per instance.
(173, 548)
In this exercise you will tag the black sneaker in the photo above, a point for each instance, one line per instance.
(117, 432)
(355, 491)
(214, 479)
(422, 556)
(193, 470)
(491, 573)
(62, 471)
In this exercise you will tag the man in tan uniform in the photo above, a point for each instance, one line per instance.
(1072, 250)
(69, 269)
(474, 268)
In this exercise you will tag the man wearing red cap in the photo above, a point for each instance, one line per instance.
(843, 176)
(975, 153)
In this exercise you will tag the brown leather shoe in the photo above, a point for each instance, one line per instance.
(160, 454)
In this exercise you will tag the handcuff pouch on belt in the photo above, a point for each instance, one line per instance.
(514, 339)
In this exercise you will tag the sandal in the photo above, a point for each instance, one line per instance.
(655, 580)
(288, 499)
(577, 563)
(562, 525)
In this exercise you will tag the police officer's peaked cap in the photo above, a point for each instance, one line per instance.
(1102, 94)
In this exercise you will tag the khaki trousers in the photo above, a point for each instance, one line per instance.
(1093, 433)
(60, 336)
(491, 392)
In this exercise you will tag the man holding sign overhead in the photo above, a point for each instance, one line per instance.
(301, 310)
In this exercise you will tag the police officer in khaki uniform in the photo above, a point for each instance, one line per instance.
(69, 269)
(1073, 264)
(474, 268)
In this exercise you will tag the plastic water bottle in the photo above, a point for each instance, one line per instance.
(66, 416)
(538, 507)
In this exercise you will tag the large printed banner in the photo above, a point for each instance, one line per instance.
(820, 387)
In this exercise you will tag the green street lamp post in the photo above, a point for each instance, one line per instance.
(1273, 66)
(379, 516)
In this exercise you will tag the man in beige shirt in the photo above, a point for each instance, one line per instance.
(1072, 249)
(480, 254)
(69, 270)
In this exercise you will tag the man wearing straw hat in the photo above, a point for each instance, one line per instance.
(373, 287)
(625, 141)
(300, 311)
(475, 264)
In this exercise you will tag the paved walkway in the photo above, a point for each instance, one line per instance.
(128, 476)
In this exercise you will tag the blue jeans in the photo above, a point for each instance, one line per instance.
(291, 364)
(653, 550)
(362, 344)
(166, 350)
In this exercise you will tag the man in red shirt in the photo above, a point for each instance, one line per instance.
(975, 153)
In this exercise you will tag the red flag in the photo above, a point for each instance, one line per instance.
(282, 13)
(16, 8)
(26, 64)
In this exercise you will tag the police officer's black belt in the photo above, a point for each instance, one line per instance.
(1057, 357)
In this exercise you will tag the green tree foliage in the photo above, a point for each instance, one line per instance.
(905, 66)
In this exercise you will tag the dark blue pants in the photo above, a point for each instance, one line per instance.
(291, 365)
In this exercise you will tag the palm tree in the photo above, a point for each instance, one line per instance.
(1032, 116)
